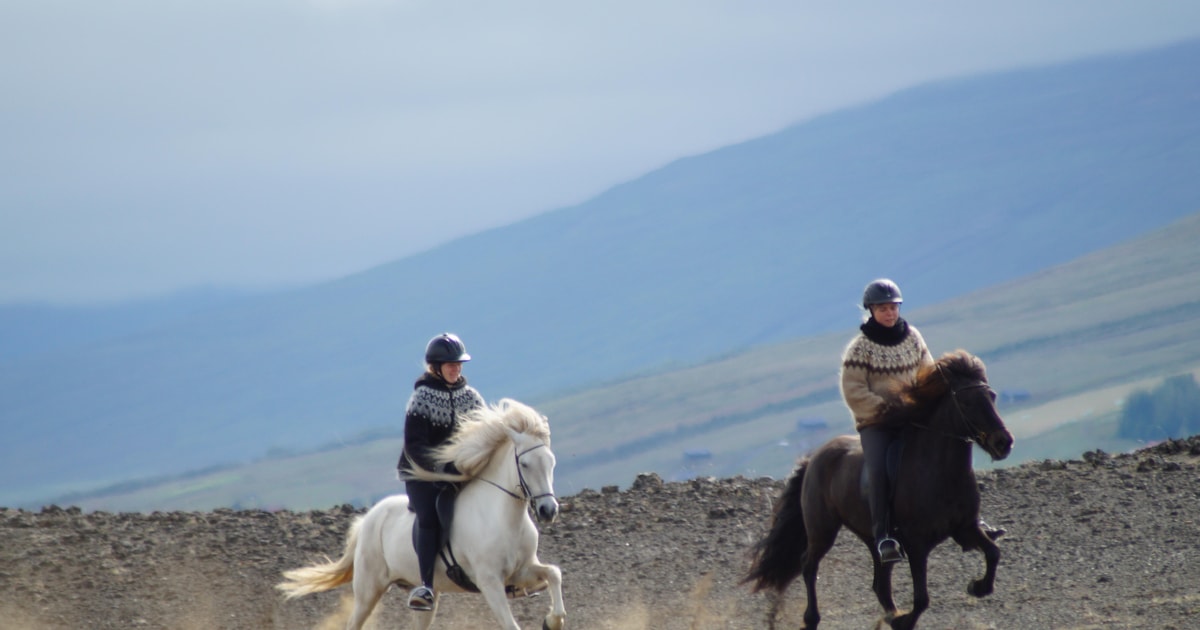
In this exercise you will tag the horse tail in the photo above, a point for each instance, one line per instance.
(325, 576)
(777, 558)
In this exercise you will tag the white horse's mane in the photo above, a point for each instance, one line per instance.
(482, 432)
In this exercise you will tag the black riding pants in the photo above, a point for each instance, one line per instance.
(422, 497)
(875, 443)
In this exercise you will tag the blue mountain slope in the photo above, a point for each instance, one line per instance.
(32, 329)
(947, 188)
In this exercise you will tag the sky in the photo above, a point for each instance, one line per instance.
(153, 146)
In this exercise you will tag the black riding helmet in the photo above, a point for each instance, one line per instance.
(446, 348)
(881, 291)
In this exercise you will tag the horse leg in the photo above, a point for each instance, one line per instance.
(820, 541)
(370, 579)
(977, 539)
(881, 583)
(918, 564)
(367, 591)
(556, 619)
(548, 577)
(812, 615)
(492, 588)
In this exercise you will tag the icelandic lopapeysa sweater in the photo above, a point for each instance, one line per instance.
(876, 363)
(432, 415)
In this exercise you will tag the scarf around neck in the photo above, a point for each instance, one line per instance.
(883, 335)
(436, 382)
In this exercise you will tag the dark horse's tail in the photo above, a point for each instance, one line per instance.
(778, 556)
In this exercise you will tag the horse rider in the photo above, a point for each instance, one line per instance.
(440, 396)
(885, 356)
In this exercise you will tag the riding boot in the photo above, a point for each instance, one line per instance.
(877, 497)
(427, 541)
(887, 546)
(889, 549)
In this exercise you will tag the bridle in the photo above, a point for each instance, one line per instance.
(526, 493)
(973, 432)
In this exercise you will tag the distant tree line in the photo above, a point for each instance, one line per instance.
(1171, 410)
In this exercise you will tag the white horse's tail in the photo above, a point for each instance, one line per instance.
(323, 577)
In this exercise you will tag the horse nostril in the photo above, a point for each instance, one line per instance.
(1001, 445)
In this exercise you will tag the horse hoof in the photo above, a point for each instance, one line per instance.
(554, 623)
(977, 588)
(903, 622)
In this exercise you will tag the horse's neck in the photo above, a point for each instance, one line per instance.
(501, 471)
(501, 468)
(936, 451)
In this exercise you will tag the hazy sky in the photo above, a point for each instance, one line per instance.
(152, 145)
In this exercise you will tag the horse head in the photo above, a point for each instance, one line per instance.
(958, 388)
(529, 433)
(535, 474)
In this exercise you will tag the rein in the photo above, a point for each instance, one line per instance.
(526, 493)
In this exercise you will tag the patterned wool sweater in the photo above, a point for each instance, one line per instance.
(432, 414)
(876, 364)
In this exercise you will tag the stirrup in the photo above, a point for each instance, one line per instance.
(421, 598)
(889, 550)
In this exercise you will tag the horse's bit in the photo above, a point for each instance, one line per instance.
(529, 496)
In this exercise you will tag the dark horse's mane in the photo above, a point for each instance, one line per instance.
(932, 383)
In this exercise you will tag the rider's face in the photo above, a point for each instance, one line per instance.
(886, 314)
(451, 371)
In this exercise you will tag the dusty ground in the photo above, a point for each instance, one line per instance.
(1101, 542)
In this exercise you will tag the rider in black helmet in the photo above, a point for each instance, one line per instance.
(884, 356)
(440, 396)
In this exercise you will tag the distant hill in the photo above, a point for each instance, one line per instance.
(948, 188)
(1062, 347)
(33, 329)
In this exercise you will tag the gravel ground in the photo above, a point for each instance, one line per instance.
(1099, 542)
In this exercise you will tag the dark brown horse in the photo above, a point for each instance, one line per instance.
(935, 495)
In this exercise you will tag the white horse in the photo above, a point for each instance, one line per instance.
(504, 451)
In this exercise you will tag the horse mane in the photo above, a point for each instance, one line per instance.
(483, 431)
(932, 383)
